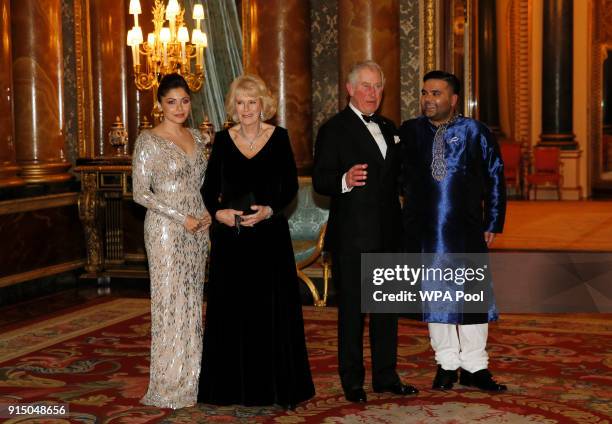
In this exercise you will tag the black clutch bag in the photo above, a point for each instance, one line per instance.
(242, 203)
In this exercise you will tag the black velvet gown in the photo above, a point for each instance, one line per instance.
(254, 349)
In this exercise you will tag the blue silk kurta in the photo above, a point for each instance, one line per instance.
(452, 215)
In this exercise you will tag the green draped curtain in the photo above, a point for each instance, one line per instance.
(223, 58)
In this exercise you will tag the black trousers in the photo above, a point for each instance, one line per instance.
(346, 276)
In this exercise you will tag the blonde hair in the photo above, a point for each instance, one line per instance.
(252, 86)
(351, 77)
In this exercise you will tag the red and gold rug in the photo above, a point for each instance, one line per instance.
(558, 369)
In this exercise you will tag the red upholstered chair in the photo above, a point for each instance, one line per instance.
(546, 170)
(511, 155)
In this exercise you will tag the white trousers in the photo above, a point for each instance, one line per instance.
(460, 346)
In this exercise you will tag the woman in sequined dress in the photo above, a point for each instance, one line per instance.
(168, 172)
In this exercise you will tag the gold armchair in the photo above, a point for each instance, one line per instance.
(307, 225)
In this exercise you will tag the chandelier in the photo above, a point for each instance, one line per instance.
(167, 49)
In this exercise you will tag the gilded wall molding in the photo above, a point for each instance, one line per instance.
(511, 42)
(518, 16)
(249, 40)
(596, 88)
(438, 46)
(429, 35)
(470, 60)
(83, 79)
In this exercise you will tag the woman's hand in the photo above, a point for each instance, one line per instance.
(205, 221)
(192, 224)
(227, 216)
(263, 212)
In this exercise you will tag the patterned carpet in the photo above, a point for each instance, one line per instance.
(558, 369)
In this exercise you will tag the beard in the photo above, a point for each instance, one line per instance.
(434, 112)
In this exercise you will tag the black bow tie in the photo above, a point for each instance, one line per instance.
(371, 118)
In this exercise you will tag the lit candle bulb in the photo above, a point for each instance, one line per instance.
(196, 39)
(172, 9)
(130, 42)
(198, 34)
(164, 37)
(135, 10)
(183, 37)
(135, 7)
(152, 53)
(136, 40)
(198, 11)
(198, 14)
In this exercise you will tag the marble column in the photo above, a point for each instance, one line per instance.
(557, 62)
(109, 69)
(369, 30)
(488, 92)
(36, 31)
(278, 50)
(8, 158)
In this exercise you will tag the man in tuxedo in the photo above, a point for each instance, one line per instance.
(356, 162)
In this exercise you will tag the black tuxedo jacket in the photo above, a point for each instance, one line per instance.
(368, 218)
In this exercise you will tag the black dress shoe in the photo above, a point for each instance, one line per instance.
(398, 388)
(444, 379)
(481, 379)
(357, 395)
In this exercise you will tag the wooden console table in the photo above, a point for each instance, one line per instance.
(113, 223)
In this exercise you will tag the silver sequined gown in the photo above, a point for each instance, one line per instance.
(167, 182)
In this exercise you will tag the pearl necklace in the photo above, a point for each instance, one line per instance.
(251, 141)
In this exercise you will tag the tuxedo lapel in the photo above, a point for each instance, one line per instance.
(361, 134)
(388, 132)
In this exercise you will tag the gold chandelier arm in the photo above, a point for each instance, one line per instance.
(144, 81)
(192, 51)
(194, 81)
(145, 50)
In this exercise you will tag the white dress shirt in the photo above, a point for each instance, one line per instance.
(376, 134)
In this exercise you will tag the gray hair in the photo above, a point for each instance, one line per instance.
(351, 78)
